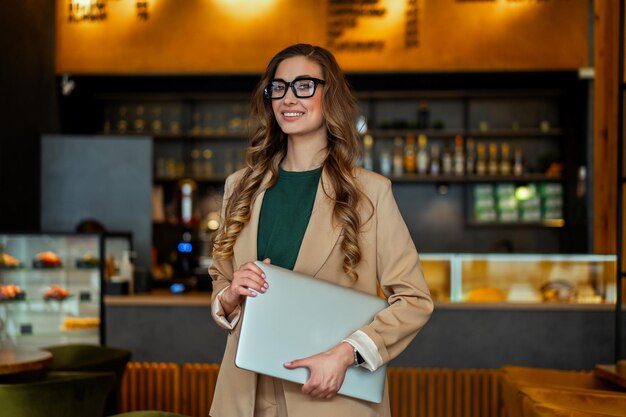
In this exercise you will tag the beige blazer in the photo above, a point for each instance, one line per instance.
(389, 259)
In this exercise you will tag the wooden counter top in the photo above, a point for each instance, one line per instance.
(448, 305)
(160, 297)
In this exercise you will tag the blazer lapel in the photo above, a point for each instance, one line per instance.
(321, 233)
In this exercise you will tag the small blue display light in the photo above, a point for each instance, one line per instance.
(185, 247)
(177, 288)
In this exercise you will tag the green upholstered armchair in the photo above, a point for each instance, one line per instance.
(93, 358)
(59, 394)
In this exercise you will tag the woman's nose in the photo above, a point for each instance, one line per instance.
(290, 97)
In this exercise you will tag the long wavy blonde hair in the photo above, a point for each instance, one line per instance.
(268, 147)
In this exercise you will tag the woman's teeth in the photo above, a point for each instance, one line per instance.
(293, 114)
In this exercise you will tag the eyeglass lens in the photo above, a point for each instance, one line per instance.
(301, 88)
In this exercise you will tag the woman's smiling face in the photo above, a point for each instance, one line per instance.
(299, 116)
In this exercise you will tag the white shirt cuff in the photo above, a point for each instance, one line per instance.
(366, 348)
(218, 312)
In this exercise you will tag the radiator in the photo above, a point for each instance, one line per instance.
(198, 385)
(476, 393)
(413, 392)
(151, 386)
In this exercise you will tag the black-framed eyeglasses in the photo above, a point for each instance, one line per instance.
(303, 87)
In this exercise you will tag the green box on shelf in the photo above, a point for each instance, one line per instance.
(485, 216)
(505, 190)
(531, 203)
(553, 214)
(550, 203)
(484, 202)
(507, 203)
(529, 215)
(508, 216)
(482, 190)
(550, 189)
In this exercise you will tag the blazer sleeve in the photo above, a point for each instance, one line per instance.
(401, 279)
(221, 271)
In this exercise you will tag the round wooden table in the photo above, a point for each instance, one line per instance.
(21, 360)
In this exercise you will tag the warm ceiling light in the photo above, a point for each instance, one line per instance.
(247, 9)
(80, 10)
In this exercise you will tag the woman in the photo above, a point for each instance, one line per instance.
(302, 204)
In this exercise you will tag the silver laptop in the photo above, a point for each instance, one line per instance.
(300, 316)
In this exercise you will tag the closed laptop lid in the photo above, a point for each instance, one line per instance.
(300, 316)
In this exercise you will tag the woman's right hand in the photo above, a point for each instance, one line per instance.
(248, 280)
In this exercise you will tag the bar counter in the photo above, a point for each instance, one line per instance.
(162, 327)
(162, 297)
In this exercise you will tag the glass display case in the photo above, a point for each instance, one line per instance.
(521, 278)
(51, 286)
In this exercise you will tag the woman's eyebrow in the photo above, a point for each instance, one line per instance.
(298, 76)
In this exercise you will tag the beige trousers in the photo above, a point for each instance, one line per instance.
(270, 398)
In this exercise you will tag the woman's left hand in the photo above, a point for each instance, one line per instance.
(328, 369)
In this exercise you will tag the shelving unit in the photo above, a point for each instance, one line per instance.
(513, 105)
(32, 319)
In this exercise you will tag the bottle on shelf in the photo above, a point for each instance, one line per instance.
(385, 162)
(229, 163)
(195, 124)
(446, 160)
(422, 155)
(423, 115)
(505, 159)
(470, 160)
(127, 270)
(106, 126)
(481, 159)
(207, 163)
(196, 167)
(459, 156)
(409, 154)
(518, 161)
(175, 118)
(207, 123)
(435, 164)
(157, 123)
(398, 157)
(139, 124)
(493, 165)
(187, 195)
(171, 168)
(122, 122)
(160, 170)
(368, 152)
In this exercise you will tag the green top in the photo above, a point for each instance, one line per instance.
(285, 214)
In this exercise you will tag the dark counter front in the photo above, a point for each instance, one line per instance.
(160, 327)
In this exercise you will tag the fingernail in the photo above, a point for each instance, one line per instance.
(263, 275)
(287, 364)
(252, 294)
(266, 285)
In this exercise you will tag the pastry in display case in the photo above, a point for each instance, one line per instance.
(47, 259)
(51, 286)
(521, 278)
(7, 261)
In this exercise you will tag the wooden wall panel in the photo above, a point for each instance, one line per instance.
(239, 36)
(606, 49)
